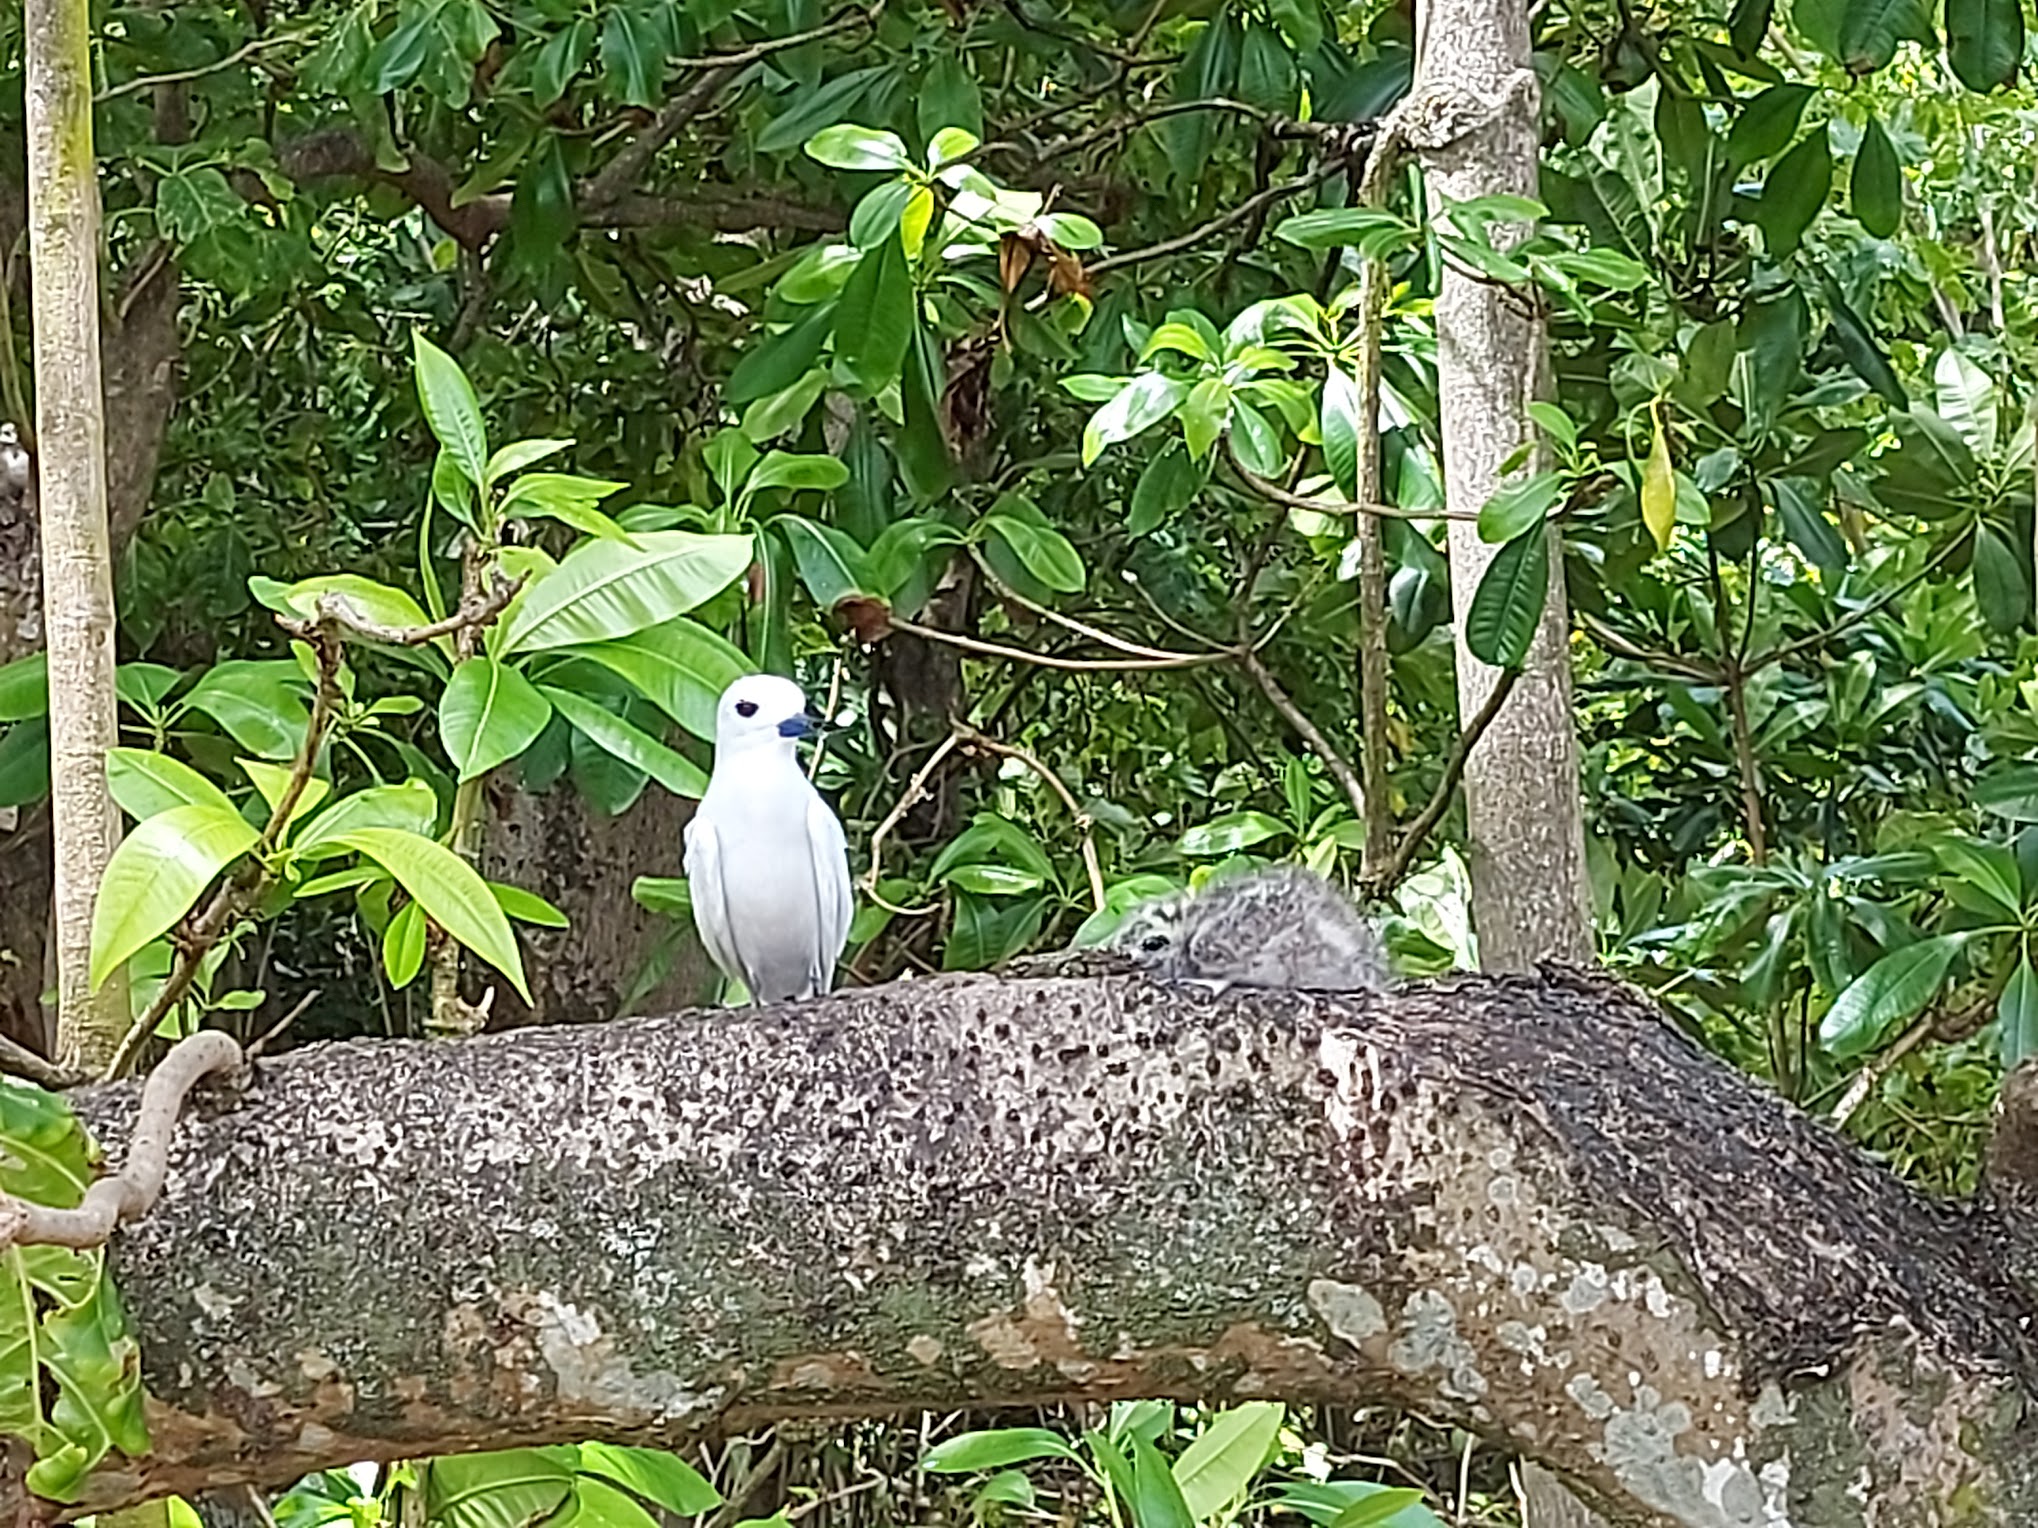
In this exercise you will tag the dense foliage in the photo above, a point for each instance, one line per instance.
(992, 370)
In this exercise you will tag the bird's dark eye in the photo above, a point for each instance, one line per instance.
(746, 708)
(1153, 944)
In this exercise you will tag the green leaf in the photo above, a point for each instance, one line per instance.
(681, 667)
(2010, 791)
(1166, 488)
(1508, 605)
(1178, 337)
(526, 906)
(1381, 1509)
(1894, 988)
(1990, 869)
(1966, 400)
(1047, 554)
(24, 688)
(633, 62)
(877, 216)
(874, 318)
(272, 784)
(403, 945)
(781, 469)
(409, 807)
(155, 875)
(1301, 23)
(664, 894)
(564, 54)
(451, 409)
(1875, 190)
(1141, 404)
(1156, 1499)
(634, 747)
(774, 364)
(1220, 1466)
(511, 1488)
(378, 603)
(2017, 1014)
(1795, 192)
(1767, 123)
(830, 564)
(453, 894)
(1518, 506)
(1807, 526)
(1863, 352)
(972, 1451)
(849, 147)
(1339, 424)
(145, 783)
(1230, 834)
(1205, 415)
(1985, 42)
(489, 714)
(654, 1475)
(994, 880)
(564, 497)
(606, 589)
(2000, 588)
(1373, 231)
(254, 706)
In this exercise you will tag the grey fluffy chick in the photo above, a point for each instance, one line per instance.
(1282, 927)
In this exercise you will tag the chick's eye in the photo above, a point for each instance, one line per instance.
(1153, 944)
(746, 708)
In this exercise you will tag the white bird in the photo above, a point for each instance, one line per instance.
(765, 857)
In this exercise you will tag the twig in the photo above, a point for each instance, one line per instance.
(1874, 607)
(337, 612)
(1670, 663)
(1866, 1079)
(915, 788)
(1339, 766)
(1055, 783)
(1248, 208)
(1095, 634)
(132, 1192)
(828, 715)
(19, 1060)
(296, 1012)
(178, 76)
(1049, 660)
(1439, 802)
(1274, 493)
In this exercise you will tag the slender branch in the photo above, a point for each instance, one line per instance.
(1440, 799)
(1873, 608)
(143, 82)
(1274, 122)
(19, 1061)
(1249, 208)
(989, 744)
(132, 1192)
(1049, 660)
(1081, 628)
(1670, 663)
(337, 612)
(1339, 766)
(1274, 493)
(915, 789)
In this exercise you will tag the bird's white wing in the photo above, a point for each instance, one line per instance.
(710, 908)
(833, 900)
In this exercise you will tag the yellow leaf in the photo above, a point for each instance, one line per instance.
(914, 220)
(1659, 485)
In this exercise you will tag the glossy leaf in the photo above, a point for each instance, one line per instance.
(1224, 1460)
(1985, 41)
(680, 666)
(848, 147)
(1139, 405)
(632, 745)
(831, 565)
(1875, 189)
(1047, 554)
(971, 1451)
(566, 498)
(1156, 1499)
(1767, 123)
(403, 946)
(1231, 833)
(454, 896)
(780, 469)
(527, 906)
(254, 706)
(1966, 400)
(1519, 505)
(489, 714)
(24, 688)
(2017, 1014)
(606, 589)
(1794, 193)
(155, 875)
(145, 783)
(2001, 589)
(1339, 425)
(1508, 605)
(410, 807)
(1892, 989)
(653, 1474)
(874, 318)
(1659, 485)
(451, 409)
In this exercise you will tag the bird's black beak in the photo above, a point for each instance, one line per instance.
(799, 726)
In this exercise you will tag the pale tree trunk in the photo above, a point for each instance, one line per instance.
(1527, 1205)
(63, 221)
(1475, 109)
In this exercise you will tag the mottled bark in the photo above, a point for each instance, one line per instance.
(1527, 1204)
(584, 863)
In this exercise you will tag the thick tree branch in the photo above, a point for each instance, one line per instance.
(1526, 1204)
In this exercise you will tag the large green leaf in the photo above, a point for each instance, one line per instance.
(144, 783)
(24, 688)
(1894, 988)
(1339, 424)
(156, 874)
(1767, 123)
(489, 714)
(1966, 400)
(453, 894)
(1156, 1499)
(254, 705)
(1231, 833)
(654, 1475)
(1985, 41)
(1046, 553)
(1508, 604)
(874, 318)
(634, 747)
(451, 409)
(681, 667)
(849, 147)
(376, 602)
(512, 1488)
(1224, 1460)
(409, 807)
(1805, 523)
(606, 589)
(1795, 191)
(567, 498)
(1143, 402)
(2017, 1014)
(831, 564)
(1875, 189)
(2000, 587)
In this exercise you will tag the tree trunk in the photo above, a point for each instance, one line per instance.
(584, 863)
(1526, 1204)
(77, 562)
(1531, 899)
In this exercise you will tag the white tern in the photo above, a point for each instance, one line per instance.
(766, 861)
